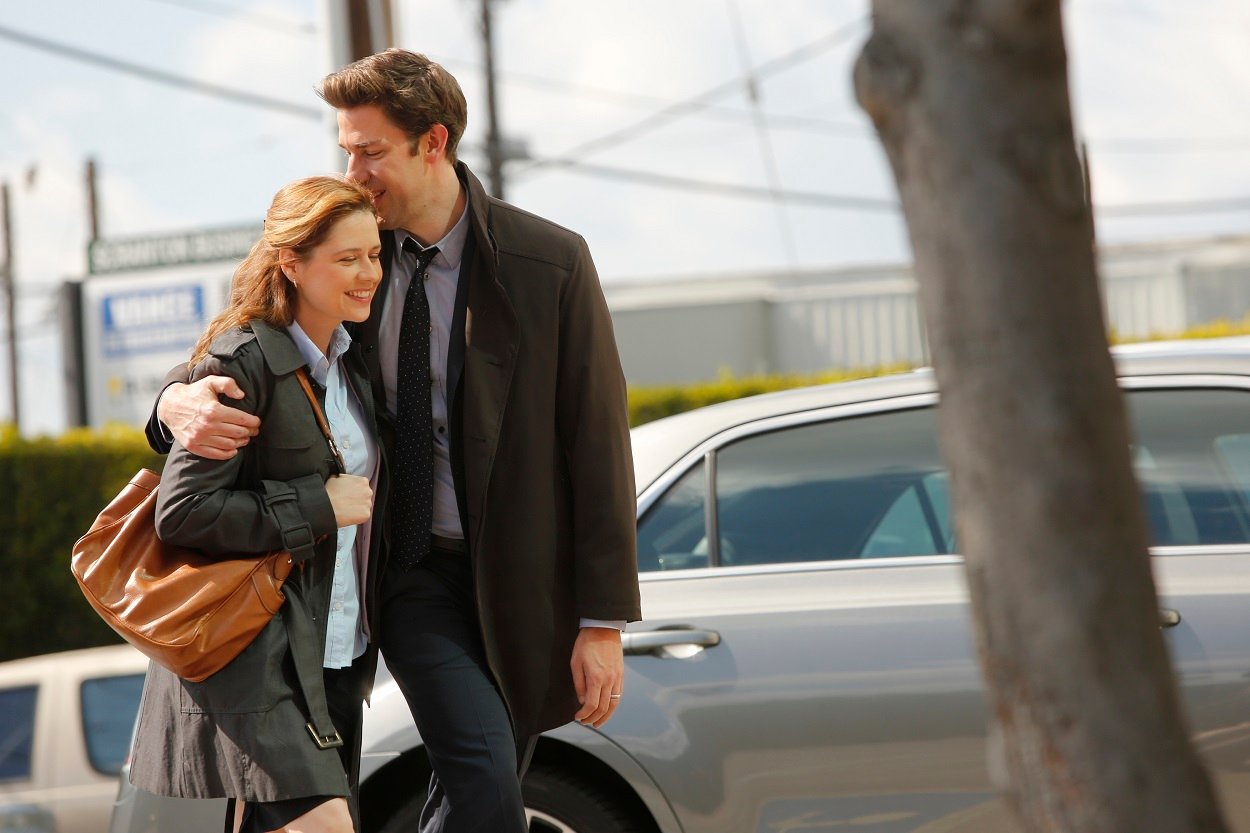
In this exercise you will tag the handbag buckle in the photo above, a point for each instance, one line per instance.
(324, 741)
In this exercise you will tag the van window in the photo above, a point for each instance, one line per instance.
(17, 732)
(109, 707)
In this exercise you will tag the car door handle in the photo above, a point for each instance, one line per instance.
(1169, 618)
(673, 643)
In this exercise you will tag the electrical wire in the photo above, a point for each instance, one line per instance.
(571, 164)
(1172, 209)
(1176, 144)
(762, 135)
(700, 101)
(302, 27)
(814, 124)
(658, 180)
(162, 77)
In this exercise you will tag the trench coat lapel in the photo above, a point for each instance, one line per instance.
(489, 357)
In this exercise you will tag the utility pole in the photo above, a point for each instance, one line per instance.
(93, 206)
(369, 27)
(494, 143)
(10, 304)
(354, 29)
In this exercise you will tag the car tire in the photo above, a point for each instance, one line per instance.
(555, 802)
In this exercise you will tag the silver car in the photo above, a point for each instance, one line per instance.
(806, 663)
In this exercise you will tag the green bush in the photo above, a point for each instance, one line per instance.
(648, 403)
(55, 488)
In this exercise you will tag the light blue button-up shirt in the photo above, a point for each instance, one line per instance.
(345, 626)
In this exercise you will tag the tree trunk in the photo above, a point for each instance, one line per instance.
(971, 102)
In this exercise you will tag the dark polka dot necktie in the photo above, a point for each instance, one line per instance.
(412, 498)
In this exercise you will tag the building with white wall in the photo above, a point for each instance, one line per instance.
(696, 328)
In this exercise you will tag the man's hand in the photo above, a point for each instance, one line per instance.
(201, 424)
(598, 672)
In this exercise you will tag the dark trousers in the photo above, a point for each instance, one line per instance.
(432, 645)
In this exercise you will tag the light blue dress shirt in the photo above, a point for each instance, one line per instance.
(346, 638)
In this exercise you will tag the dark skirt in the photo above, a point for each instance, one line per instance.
(242, 732)
(264, 816)
(343, 696)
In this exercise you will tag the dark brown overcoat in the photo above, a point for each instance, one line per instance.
(542, 459)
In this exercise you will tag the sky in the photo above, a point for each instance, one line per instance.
(1160, 90)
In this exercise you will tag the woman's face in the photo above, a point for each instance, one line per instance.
(336, 281)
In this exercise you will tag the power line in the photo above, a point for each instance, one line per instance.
(763, 137)
(776, 120)
(1175, 144)
(268, 21)
(818, 199)
(162, 77)
(1187, 19)
(722, 188)
(700, 101)
(573, 165)
(1171, 209)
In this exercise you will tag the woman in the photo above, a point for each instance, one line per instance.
(277, 730)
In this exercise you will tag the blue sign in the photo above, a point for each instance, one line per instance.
(152, 320)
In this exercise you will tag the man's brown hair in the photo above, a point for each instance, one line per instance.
(414, 92)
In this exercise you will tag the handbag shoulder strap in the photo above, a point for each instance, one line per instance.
(304, 382)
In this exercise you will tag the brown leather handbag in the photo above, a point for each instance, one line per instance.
(187, 612)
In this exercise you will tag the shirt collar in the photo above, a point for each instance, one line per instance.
(340, 341)
(450, 248)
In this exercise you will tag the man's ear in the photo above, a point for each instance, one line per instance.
(435, 143)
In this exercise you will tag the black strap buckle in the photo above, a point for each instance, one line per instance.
(324, 741)
(298, 537)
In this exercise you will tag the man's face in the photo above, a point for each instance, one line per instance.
(378, 157)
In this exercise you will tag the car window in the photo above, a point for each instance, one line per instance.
(849, 488)
(905, 529)
(673, 535)
(17, 730)
(109, 707)
(1192, 457)
(873, 486)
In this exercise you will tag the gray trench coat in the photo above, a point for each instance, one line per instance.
(243, 732)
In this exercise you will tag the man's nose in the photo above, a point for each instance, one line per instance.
(356, 169)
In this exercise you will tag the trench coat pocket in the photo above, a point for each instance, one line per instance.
(253, 682)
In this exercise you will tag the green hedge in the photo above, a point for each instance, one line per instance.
(54, 488)
(648, 403)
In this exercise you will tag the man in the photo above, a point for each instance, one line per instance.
(511, 565)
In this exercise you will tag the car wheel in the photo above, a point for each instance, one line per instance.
(560, 802)
(555, 802)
